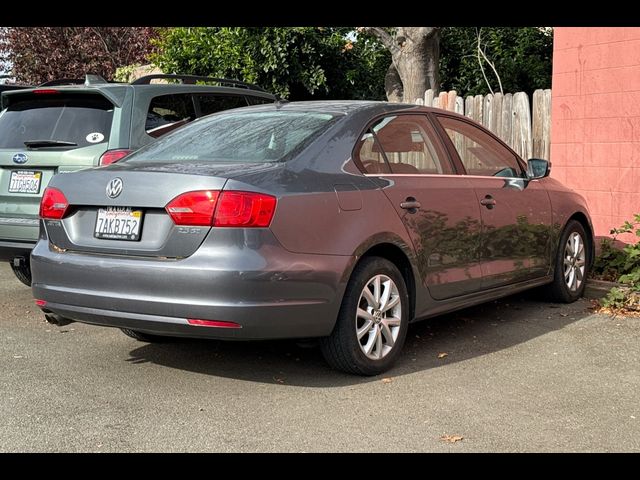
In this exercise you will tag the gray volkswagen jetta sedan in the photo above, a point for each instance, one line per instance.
(344, 221)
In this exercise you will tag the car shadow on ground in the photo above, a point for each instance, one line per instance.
(462, 335)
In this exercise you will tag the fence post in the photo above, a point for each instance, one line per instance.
(428, 97)
(507, 118)
(521, 126)
(541, 123)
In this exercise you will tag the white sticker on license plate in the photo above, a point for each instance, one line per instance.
(118, 223)
(25, 181)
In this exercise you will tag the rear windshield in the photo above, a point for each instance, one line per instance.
(238, 137)
(80, 119)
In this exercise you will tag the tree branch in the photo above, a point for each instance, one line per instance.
(114, 61)
(479, 51)
(385, 38)
(484, 55)
(427, 32)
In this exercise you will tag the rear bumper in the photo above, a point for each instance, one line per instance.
(270, 292)
(11, 249)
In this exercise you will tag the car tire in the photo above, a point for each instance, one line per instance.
(571, 267)
(143, 337)
(22, 272)
(375, 307)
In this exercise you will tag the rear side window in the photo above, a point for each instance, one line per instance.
(216, 103)
(167, 112)
(238, 137)
(81, 119)
(405, 141)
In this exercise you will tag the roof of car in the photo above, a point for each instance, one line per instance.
(95, 82)
(344, 107)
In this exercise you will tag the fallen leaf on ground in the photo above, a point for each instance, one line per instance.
(443, 354)
(564, 314)
(18, 356)
(452, 438)
(387, 380)
(279, 380)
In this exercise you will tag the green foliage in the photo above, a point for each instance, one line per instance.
(298, 63)
(623, 266)
(123, 74)
(302, 63)
(521, 55)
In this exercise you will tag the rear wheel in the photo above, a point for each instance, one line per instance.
(572, 264)
(143, 337)
(22, 272)
(373, 319)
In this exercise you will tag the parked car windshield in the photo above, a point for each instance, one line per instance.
(78, 120)
(238, 137)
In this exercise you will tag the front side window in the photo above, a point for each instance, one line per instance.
(405, 142)
(481, 154)
(238, 137)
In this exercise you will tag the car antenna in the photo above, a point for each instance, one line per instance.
(280, 101)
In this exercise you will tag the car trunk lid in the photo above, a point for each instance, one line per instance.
(97, 195)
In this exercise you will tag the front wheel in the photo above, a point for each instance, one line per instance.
(372, 322)
(572, 264)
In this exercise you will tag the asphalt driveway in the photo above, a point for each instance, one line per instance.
(518, 375)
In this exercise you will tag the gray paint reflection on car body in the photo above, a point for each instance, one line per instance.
(288, 280)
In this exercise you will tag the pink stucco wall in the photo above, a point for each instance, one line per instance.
(595, 129)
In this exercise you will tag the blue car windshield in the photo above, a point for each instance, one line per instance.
(262, 136)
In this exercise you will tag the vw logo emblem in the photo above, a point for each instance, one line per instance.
(20, 158)
(114, 188)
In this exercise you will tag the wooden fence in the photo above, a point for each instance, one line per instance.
(509, 116)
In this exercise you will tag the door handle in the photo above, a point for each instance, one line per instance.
(410, 204)
(488, 201)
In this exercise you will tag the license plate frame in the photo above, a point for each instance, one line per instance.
(111, 223)
(19, 187)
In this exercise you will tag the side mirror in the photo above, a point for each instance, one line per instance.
(538, 168)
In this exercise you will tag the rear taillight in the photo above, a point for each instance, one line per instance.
(41, 303)
(193, 208)
(54, 204)
(45, 91)
(222, 209)
(244, 209)
(112, 156)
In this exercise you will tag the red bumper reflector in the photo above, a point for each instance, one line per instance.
(213, 323)
(41, 303)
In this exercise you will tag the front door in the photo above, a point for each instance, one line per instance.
(438, 207)
(516, 212)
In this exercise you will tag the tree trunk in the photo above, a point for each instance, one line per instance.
(393, 85)
(416, 60)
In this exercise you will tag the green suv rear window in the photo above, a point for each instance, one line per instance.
(80, 119)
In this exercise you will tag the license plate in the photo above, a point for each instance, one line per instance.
(25, 181)
(118, 223)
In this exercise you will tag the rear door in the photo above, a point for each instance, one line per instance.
(42, 134)
(437, 206)
(516, 212)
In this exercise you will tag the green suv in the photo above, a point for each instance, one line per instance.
(57, 128)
